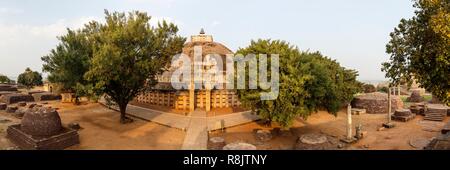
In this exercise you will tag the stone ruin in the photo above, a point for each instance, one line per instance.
(45, 96)
(216, 143)
(6, 92)
(263, 135)
(3, 106)
(11, 109)
(435, 112)
(415, 97)
(403, 115)
(15, 98)
(376, 103)
(6, 87)
(316, 141)
(418, 108)
(239, 146)
(441, 142)
(41, 129)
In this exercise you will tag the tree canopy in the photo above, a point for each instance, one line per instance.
(30, 78)
(70, 60)
(128, 52)
(116, 58)
(308, 82)
(4, 79)
(420, 48)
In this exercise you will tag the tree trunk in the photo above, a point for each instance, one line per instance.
(123, 118)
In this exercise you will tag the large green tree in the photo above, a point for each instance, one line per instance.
(4, 79)
(30, 78)
(128, 53)
(308, 82)
(420, 48)
(70, 60)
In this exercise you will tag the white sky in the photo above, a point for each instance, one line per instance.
(354, 32)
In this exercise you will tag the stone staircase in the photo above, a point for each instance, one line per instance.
(434, 116)
(435, 112)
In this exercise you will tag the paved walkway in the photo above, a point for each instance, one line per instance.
(196, 125)
(197, 133)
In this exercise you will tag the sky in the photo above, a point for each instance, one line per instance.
(353, 32)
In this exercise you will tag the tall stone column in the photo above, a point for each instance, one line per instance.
(208, 100)
(349, 122)
(389, 123)
(389, 106)
(192, 91)
(192, 98)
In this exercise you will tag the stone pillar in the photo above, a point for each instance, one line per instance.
(191, 99)
(389, 106)
(185, 102)
(349, 122)
(208, 100)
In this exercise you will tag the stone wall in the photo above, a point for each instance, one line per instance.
(180, 99)
(376, 103)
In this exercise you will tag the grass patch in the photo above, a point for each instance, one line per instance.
(427, 98)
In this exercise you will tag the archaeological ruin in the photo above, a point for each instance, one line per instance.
(376, 103)
(163, 94)
(41, 129)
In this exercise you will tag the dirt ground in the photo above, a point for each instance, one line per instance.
(397, 138)
(102, 130)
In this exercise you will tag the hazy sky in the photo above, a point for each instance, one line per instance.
(354, 32)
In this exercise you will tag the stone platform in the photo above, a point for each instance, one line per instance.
(66, 138)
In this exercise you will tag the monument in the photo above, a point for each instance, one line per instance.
(196, 95)
(41, 129)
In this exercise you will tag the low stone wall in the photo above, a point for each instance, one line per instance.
(5, 87)
(376, 103)
(6, 92)
(15, 98)
(180, 99)
(45, 97)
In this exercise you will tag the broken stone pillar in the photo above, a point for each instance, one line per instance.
(349, 122)
(389, 124)
(349, 137)
(389, 106)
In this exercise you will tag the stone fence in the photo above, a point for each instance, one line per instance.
(180, 99)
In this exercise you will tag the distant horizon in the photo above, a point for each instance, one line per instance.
(352, 32)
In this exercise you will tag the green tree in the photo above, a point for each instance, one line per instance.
(308, 82)
(4, 79)
(368, 88)
(420, 48)
(127, 53)
(70, 60)
(30, 78)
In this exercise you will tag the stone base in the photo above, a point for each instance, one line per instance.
(403, 118)
(446, 129)
(388, 125)
(349, 141)
(356, 111)
(442, 142)
(66, 138)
